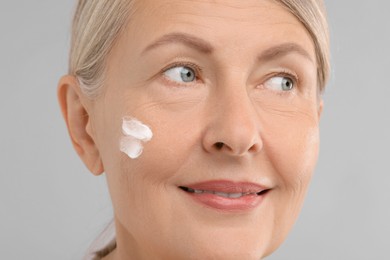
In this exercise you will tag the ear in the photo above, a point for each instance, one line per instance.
(320, 108)
(77, 120)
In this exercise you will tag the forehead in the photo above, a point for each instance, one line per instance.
(237, 9)
(224, 23)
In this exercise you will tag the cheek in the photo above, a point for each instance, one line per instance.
(292, 146)
(143, 185)
(292, 154)
(174, 140)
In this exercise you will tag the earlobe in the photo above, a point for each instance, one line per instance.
(78, 122)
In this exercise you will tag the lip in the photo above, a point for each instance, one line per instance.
(252, 194)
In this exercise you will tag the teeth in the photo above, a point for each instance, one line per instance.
(229, 195)
(236, 195)
(221, 194)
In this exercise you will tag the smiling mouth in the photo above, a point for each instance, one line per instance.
(227, 196)
(231, 195)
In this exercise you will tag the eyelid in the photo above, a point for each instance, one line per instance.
(284, 73)
(197, 69)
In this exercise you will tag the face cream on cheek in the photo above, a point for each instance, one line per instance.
(135, 134)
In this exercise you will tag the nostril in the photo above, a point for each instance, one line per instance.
(218, 145)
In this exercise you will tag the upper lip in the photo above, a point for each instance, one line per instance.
(227, 186)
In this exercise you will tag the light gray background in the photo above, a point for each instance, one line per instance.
(51, 207)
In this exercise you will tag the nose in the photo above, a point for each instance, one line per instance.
(234, 126)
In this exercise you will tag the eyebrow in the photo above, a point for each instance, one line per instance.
(205, 47)
(283, 50)
(183, 38)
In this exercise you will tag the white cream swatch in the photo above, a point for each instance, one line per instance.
(135, 134)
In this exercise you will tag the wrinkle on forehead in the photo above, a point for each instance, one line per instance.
(247, 19)
(233, 10)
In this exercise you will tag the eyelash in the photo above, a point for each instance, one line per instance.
(284, 73)
(197, 69)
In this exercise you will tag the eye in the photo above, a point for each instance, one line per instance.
(181, 74)
(280, 83)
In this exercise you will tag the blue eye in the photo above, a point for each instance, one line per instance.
(181, 74)
(280, 83)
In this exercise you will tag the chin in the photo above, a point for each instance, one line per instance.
(234, 249)
(225, 242)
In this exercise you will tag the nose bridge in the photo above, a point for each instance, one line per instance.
(236, 109)
(235, 126)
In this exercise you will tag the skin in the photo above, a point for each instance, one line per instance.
(269, 136)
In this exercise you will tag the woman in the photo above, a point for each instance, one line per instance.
(204, 116)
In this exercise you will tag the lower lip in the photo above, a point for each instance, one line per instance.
(244, 203)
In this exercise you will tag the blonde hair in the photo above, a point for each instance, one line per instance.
(96, 26)
(312, 14)
(98, 23)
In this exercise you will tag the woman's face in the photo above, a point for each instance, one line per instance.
(229, 89)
